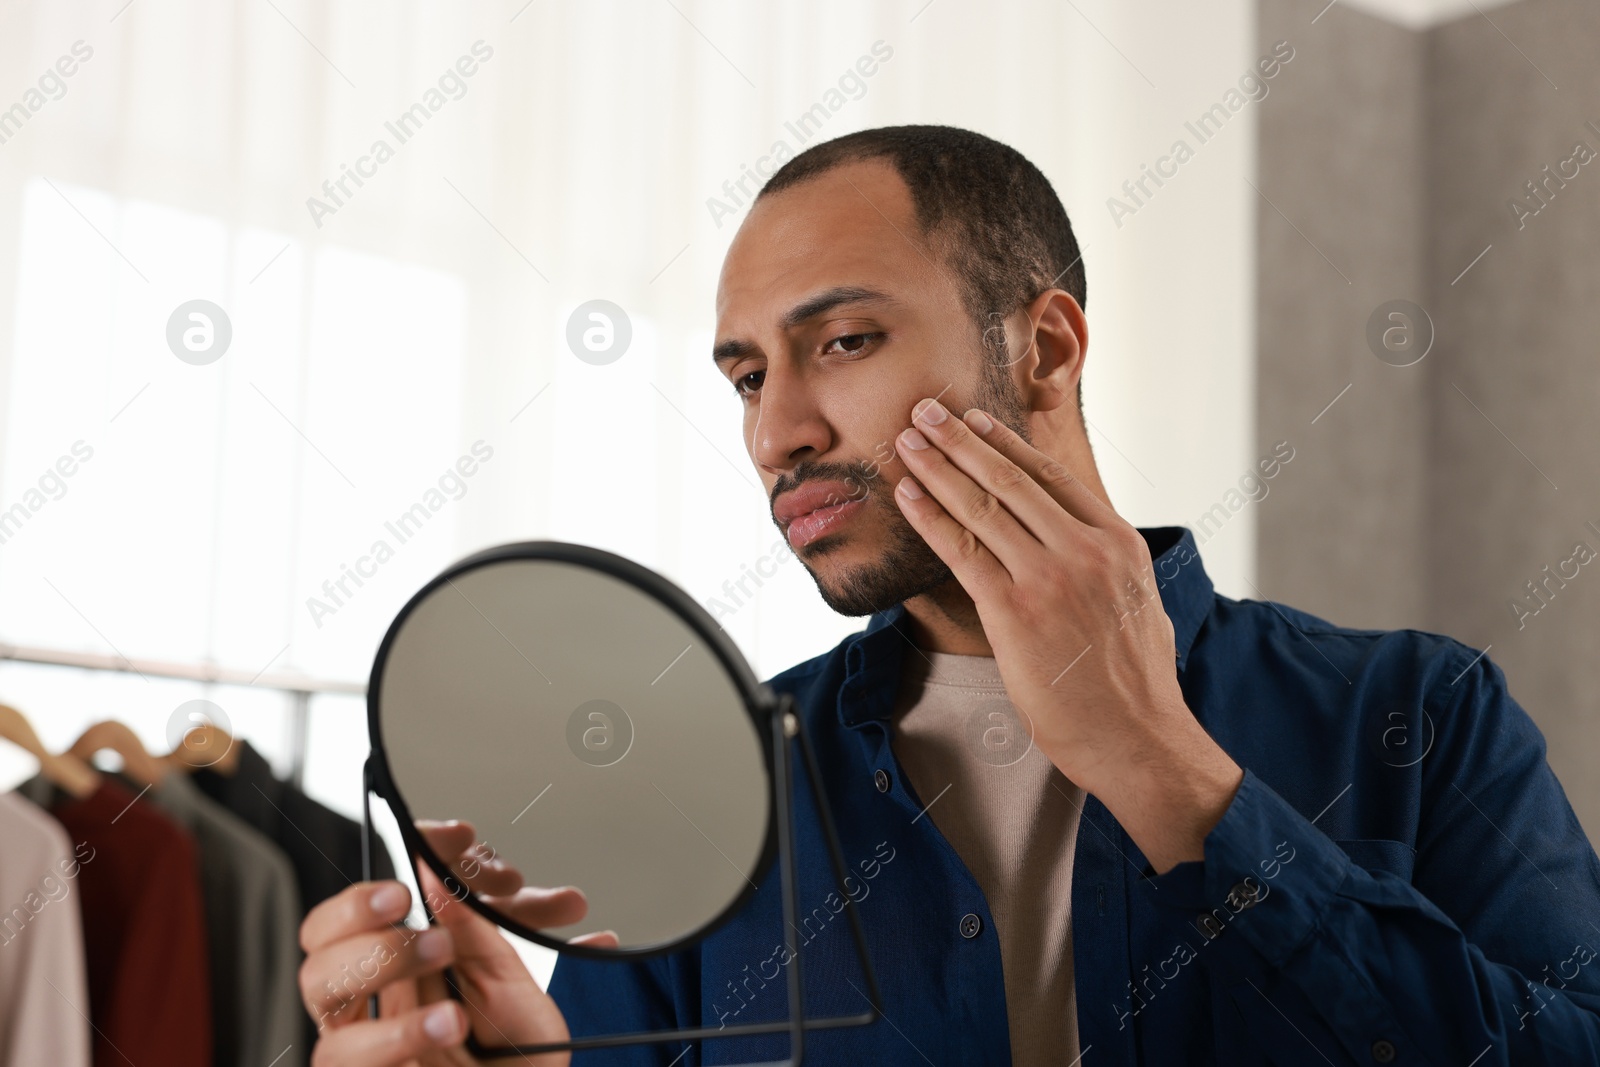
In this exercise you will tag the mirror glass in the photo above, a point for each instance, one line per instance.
(590, 737)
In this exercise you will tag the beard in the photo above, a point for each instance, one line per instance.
(908, 567)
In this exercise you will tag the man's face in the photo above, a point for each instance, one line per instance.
(833, 320)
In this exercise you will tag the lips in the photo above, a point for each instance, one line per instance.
(812, 496)
(816, 509)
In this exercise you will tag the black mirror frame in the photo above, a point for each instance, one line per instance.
(757, 702)
(777, 724)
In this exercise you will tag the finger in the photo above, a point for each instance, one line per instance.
(496, 878)
(598, 939)
(477, 942)
(535, 906)
(336, 979)
(447, 837)
(470, 860)
(499, 885)
(969, 504)
(974, 566)
(1023, 497)
(391, 1042)
(542, 908)
(356, 909)
(1051, 474)
(485, 959)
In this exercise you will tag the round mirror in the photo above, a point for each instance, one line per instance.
(594, 727)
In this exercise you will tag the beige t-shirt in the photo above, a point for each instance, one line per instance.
(1012, 817)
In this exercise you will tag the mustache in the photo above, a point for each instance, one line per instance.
(859, 476)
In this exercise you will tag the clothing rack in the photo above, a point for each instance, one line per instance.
(300, 687)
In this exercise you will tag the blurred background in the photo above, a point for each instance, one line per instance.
(1379, 258)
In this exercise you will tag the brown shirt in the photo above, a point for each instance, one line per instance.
(1012, 817)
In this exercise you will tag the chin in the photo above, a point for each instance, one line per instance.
(857, 576)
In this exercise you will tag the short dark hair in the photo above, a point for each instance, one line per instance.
(1002, 227)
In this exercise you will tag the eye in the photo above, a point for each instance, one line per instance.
(852, 344)
(745, 387)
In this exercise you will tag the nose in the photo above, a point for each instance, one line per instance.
(789, 426)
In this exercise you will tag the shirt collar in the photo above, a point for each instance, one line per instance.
(250, 791)
(873, 658)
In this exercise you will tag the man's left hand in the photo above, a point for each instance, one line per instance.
(1065, 589)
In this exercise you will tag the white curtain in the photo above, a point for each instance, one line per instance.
(538, 155)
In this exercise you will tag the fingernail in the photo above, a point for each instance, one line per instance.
(911, 437)
(910, 488)
(931, 412)
(442, 1024)
(979, 421)
(433, 945)
(390, 899)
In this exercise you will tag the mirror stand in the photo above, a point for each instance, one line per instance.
(788, 733)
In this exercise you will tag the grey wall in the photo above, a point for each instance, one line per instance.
(1428, 496)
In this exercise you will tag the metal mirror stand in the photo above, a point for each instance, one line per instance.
(788, 732)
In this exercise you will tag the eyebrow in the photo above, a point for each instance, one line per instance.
(821, 303)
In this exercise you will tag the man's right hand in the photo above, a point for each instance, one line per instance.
(356, 945)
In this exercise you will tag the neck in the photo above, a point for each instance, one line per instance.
(945, 619)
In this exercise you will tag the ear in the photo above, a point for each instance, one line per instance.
(1058, 336)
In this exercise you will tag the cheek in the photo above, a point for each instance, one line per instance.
(868, 418)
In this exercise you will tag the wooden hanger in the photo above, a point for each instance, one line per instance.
(66, 771)
(137, 763)
(205, 746)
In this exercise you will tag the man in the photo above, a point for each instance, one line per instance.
(1094, 812)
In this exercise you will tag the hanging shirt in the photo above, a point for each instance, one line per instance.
(252, 913)
(143, 927)
(323, 846)
(1012, 817)
(44, 993)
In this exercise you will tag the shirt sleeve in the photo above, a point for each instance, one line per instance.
(1487, 955)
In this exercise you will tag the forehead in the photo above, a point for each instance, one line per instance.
(852, 225)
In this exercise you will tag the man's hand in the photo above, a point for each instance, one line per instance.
(1066, 591)
(357, 945)
(501, 886)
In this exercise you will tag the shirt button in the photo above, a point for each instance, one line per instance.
(971, 925)
(1242, 896)
(880, 778)
(1383, 1051)
(1209, 925)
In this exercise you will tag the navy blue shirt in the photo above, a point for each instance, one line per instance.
(1399, 878)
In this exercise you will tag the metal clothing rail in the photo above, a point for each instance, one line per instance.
(300, 687)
